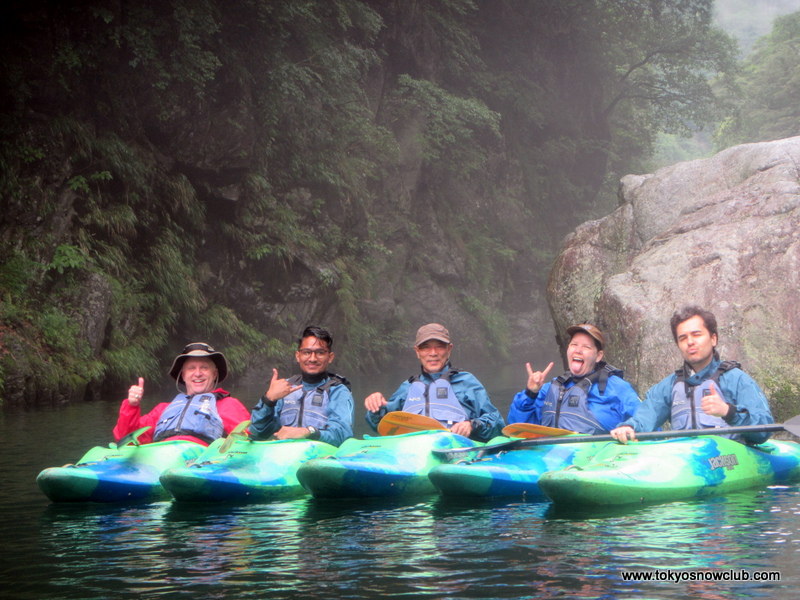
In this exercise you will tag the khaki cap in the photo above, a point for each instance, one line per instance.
(432, 331)
(589, 329)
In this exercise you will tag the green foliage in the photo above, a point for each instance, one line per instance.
(66, 257)
(233, 171)
(783, 391)
(16, 273)
(764, 96)
(456, 133)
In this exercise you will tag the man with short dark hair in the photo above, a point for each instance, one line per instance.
(591, 397)
(316, 404)
(705, 391)
(454, 398)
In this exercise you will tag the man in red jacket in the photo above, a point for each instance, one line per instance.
(201, 412)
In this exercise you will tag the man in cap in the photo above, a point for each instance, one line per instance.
(201, 412)
(316, 404)
(705, 391)
(592, 397)
(454, 398)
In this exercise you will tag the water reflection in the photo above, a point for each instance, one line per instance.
(361, 549)
(428, 548)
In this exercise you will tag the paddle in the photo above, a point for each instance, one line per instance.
(397, 422)
(237, 433)
(792, 426)
(132, 437)
(531, 430)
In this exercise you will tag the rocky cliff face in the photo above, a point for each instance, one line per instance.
(723, 233)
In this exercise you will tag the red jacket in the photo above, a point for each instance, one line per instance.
(231, 411)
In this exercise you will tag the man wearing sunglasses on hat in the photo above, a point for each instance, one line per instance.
(592, 397)
(316, 404)
(201, 412)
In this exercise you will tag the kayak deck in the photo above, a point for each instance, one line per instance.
(117, 474)
(388, 466)
(249, 471)
(511, 473)
(676, 469)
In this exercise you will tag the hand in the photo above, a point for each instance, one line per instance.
(135, 393)
(462, 428)
(713, 404)
(291, 433)
(279, 388)
(374, 402)
(624, 434)
(536, 379)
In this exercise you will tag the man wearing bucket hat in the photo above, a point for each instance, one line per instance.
(591, 397)
(454, 398)
(201, 412)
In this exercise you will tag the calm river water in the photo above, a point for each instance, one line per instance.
(426, 548)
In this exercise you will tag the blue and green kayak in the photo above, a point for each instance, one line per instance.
(387, 466)
(244, 471)
(124, 473)
(514, 472)
(683, 468)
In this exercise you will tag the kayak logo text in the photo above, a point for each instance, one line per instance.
(726, 460)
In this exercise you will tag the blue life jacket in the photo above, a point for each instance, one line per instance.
(686, 399)
(309, 408)
(436, 400)
(191, 415)
(568, 408)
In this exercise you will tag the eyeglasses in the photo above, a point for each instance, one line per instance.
(318, 352)
(199, 346)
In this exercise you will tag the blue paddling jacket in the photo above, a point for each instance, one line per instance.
(604, 404)
(333, 418)
(736, 386)
(487, 422)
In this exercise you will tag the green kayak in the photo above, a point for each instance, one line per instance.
(124, 473)
(244, 470)
(515, 472)
(669, 470)
(387, 466)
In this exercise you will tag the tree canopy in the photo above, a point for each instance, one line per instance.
(234, 171)
(765, 100)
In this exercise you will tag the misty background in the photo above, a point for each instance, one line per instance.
(183, 170)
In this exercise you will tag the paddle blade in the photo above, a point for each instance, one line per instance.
(398, 422)
(530, 430)
(133, 437)
(238, 433)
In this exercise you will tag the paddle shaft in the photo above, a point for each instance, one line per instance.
(792, 426)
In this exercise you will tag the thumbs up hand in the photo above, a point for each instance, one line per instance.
(135, 393)
(713, 404)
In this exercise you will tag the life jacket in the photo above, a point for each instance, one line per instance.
(309, 408)
(191, 415)
(436, 400)
(686, 399)
(568, 408)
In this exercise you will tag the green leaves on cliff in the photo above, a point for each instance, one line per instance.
(765, 103)
(231, 171)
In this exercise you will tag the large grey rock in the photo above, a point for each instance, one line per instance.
(723, 233)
